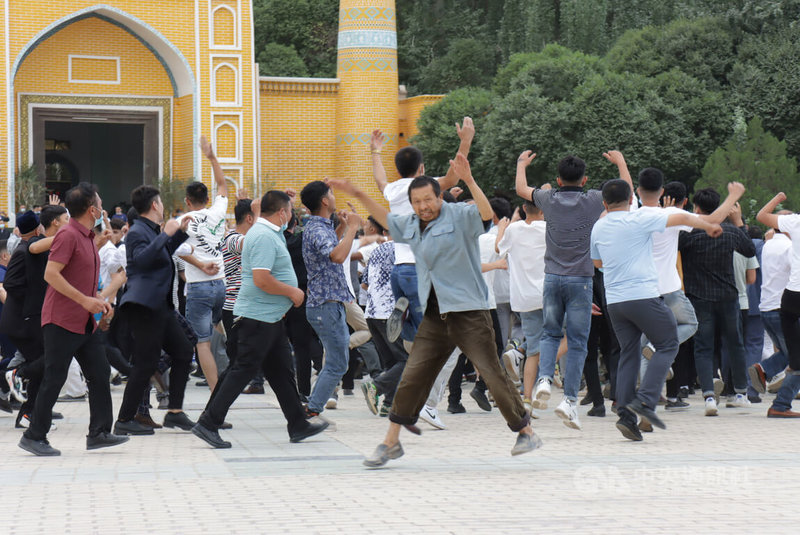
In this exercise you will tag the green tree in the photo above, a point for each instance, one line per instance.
(758, 160)
(702, 48)
(280, 60)
(466, 64)
(29, 187)
(766, 82)
(557, 71)
(437, 139)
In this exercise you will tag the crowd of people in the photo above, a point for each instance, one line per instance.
(620, 291)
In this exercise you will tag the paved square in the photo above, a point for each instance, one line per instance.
(734, 473)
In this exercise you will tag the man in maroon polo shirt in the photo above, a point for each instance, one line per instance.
(68, 326)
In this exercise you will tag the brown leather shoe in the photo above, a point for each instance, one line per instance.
(253, 389)
(645, 426)
(773, 413)
(146, 420)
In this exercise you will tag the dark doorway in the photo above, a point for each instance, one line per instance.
(116, 149)
(107, 154)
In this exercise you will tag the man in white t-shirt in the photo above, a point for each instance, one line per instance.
(408, 161)
(205, 287)
(790, 309)
(523, 243)
(665, 257)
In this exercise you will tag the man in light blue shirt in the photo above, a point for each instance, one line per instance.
(269, 289)
(622, 245)
(444, 239)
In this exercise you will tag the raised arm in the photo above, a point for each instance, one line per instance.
(352, 222)
(378, 172)
(765, 215)
(463, 171)
(735, 192)
(502, 225)
(616, 157)
(689, 220)
(523, 189)
(375, 210)
(466, 133)
(219, 176)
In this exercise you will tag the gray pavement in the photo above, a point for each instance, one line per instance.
(738, 472)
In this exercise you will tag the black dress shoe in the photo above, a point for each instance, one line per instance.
(132, 427)
(210, 436)
(311, 430)
(481, 399)
(40, 448)
(5, 405)
(178, 420)
(597, 410)
(646, 412)
(104, 440)
(629, 429)
(57, 416)
(226, 425)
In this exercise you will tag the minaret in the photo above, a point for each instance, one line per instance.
(368, 89)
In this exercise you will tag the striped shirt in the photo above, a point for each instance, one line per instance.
(232, 256)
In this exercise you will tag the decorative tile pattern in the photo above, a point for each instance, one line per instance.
(367, 39)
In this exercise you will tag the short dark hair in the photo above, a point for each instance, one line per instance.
(80, 198)
(197, 193)
(50, 213)
(142, 197)
(273, 201)
(132, 215)
(407, 160)
(616, 191)
(706, 199)
(117, 223)
(676, 191)
(311, 195)
(501, 207)
(571, 170)
(242, 210)
(377, 225)
(448, 197)
(755, 232)
(529, 208)
(651, 179)
(422, 181)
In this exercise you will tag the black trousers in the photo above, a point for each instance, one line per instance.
(154, 330)
(261, 345)
(60, 345)
(393, 359)
(230, 336)
(790, 314)
(31, 344)
(307, 349)
(454, 383)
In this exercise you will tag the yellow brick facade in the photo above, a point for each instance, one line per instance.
(192, 61)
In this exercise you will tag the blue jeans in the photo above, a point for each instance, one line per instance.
(571, 298)
(726, 315)
(404, 284)
(780, 359)
(328, 321)
(204, 301)
(753, 345)
(532, 327)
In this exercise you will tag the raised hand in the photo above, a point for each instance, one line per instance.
(462, 169)
(780, 197)
(503, 224)
(291, 192)
(376, 141)
(526, 158)
(714, 230)
(668, 202)
(242, 194)
(185, 222)
(455, 191)
(466, 131)
(345, 186)
(53, 200)
(736, 189)
(615, 157)
(352, 219)
(206, 148)
(736, 214)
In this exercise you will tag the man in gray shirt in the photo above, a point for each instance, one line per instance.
(570, 214)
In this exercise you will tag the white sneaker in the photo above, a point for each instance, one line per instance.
(430, 415)
(711, 406)
(568, 411)
(512, 359)
(541, 393)
(775, 384)
(332, 402)
(648, 351)
(740, 400)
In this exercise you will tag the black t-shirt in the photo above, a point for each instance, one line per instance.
(294, 242)
(35, 265)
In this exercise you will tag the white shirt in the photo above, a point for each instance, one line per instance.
(524, 244)
(665, 251)
(396, 193)
(110, 262)
(776, 264)
(740, 266)
(486, 246)
(206, 233)
(790, 224)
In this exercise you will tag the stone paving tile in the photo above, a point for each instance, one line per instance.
(737, 472)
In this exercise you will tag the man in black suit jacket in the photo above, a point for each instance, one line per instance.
(148, 309)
